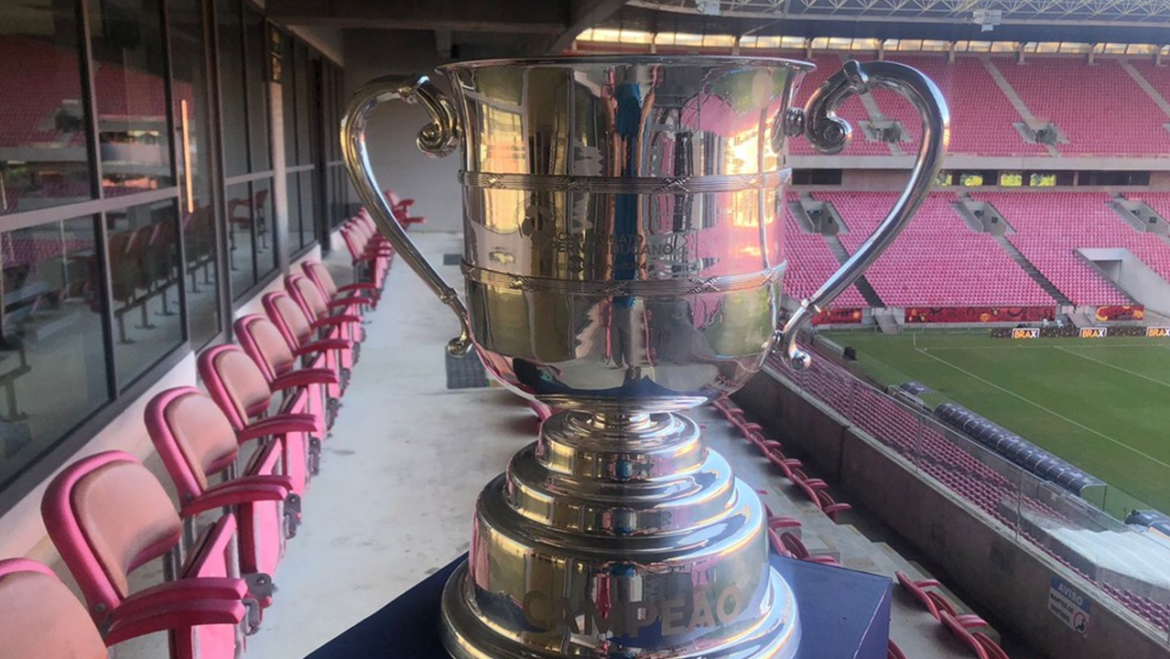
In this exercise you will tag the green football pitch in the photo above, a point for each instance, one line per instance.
(1101, 404)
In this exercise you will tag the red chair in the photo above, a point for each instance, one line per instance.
(253, 210)
(266, 345)
(935, 602)
(300, 333)
(979, 643)
(322, 317)
(350, 296)
(240, 389)
(796, 549)
(401, 208)
(894, 652)
(196, 441)
(369, 265)
(41, 619)
(108, 515)
(830, 507)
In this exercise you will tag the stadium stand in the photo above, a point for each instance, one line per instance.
(982, 117)
(852, 110)
(938, 260)
(1042, 223)
(810, 264)
(1054, 90)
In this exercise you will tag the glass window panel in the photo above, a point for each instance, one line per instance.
(231, 84)
(43, 160)
(143, 251)
(52, 352)
(288, 94)
(265, 227)
(239, 225)
(130, 86)
(304, 92)
(294, 211)
(257, 40)
(309, 196)
(193, 141)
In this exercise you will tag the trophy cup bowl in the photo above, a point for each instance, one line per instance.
(624, 252)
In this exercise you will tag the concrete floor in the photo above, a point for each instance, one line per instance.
(407, 458)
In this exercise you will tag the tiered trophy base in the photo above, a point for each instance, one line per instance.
(619, 535)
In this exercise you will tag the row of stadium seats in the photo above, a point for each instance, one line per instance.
(269, 405)
(983, 117)
(936, 455)
(940, 261)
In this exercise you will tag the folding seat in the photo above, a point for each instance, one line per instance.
(981, 644)
(239, 387)
(266, 345)
(196, 441)
(354, 296)
(401, 208)
(300, 335)
(108, 515)
(322, 316)
(370, 261)
(41, 619)
(797, 550)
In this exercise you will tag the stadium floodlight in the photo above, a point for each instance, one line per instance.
(708, 7)
(987, 19)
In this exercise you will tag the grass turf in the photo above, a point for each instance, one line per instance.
(1101, 404)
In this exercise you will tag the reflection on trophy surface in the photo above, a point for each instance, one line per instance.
(623, 257)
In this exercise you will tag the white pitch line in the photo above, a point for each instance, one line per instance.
(1113, 366)
(1055, 414)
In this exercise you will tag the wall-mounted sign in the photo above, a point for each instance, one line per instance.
(275, 54)
(1026, 333)
(1070, 605)
(1094, 332)
(1158, 331)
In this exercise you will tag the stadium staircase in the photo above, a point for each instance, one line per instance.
(887, 320)
(1015, 99)
(863, 286)
(1035, 274)
(1114, 285)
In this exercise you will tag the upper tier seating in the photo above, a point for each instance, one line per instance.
(1043, 224)
(1077, 97)
(938, 260)
(982, 117)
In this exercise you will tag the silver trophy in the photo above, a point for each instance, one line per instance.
(624, 249)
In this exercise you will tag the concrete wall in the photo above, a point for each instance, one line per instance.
(432, 182)
(1006, 577)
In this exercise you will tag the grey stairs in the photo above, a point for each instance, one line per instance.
(1035, 274)
(863, 287)
(1093, 266)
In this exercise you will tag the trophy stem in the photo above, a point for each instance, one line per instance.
(619, 535)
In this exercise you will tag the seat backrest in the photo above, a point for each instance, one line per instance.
(40, 618)
(288, 316)
(352, 242)
(265, 344)
(307, 296)
(235, 383)
(317, 271)
(192, 436)
(107, 515)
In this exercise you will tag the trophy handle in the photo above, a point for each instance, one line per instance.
(436, 139)
(829, 134)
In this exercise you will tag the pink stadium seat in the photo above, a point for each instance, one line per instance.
(301, 335)
(239, 386)
(354, 296)
(268, 348)
(323, 318)
(107, 516)
(196, 442)
(980, 644)
(41, 619)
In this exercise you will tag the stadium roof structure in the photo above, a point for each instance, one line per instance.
(1091, 21)
(1077, 12)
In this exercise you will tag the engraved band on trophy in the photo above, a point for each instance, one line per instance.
(624, 251)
